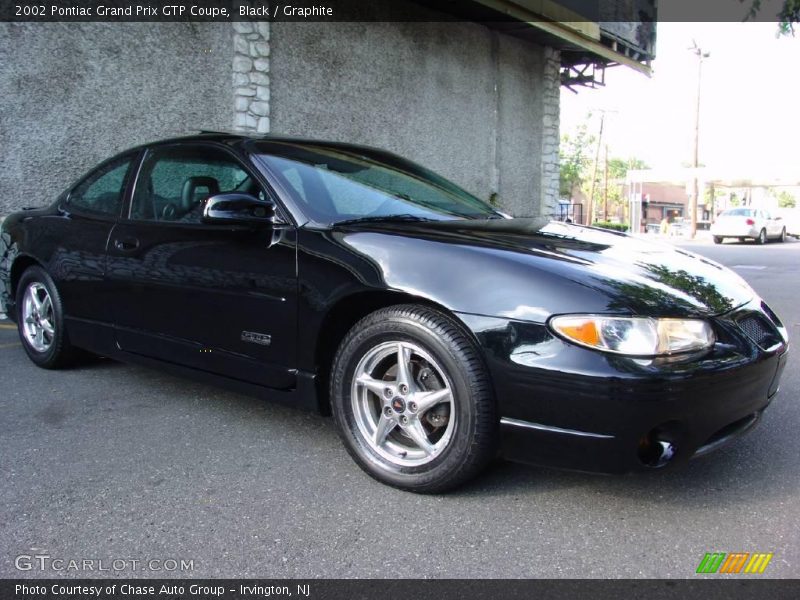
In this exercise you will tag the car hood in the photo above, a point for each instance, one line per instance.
(531, 269)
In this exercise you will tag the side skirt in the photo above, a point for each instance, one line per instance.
(99, 338)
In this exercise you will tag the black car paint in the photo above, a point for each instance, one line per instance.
(303, 284)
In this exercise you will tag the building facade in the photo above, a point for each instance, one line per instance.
(477, 106)
(477, 103)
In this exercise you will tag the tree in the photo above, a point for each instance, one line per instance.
(618, 167)
(574, 159)
(787, 17)
(785, 199)
(617, 170)
(710, 198)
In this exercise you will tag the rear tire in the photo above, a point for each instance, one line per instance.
(412, 400)
(40, 321)
(762, 237)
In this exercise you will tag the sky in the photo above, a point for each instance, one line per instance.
(750, 100)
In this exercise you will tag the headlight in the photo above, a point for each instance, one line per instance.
(635, 336)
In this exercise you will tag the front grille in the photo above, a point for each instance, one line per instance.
(760, 330)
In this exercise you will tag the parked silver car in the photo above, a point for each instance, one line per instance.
(748, 223)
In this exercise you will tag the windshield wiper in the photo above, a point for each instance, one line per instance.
(385, 219)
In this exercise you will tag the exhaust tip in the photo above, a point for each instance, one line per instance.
(655, 450)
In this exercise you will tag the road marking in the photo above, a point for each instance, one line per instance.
(4, 326)
(754, 267)
(14, 345)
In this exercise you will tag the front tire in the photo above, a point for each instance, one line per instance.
(782, 239)
(717, 239)
(412, 400)
(40, 320)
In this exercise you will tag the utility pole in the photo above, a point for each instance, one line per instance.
(590, 217)
(713, 193)
(605, 187)
(693, 201)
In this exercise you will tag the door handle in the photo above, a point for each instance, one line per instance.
(127, 244)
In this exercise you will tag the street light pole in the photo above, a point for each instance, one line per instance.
(694, 200)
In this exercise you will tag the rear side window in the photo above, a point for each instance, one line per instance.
(101, 192)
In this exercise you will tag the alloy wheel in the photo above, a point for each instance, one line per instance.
(37, 317)
(403, 403)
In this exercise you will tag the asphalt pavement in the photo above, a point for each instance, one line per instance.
(119, 463)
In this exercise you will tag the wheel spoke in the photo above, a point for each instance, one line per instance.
(376, 386)
(416, 432)
(35, 299)
(385, 427)
(47, 305)
(427, 400)
(39, 337)
(404, 365)
(48, 328)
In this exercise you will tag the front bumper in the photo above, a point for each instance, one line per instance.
(571, 407)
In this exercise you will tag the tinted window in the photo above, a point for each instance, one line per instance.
(101, 192)
(175, 182)
(335, 183)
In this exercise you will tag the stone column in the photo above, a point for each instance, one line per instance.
(251, 76)
(550, 132)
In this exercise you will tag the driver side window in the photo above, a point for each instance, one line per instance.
(175, 182)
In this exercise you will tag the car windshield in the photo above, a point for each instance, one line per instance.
(335, 183)
(738, 212)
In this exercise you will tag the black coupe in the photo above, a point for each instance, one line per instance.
(438, 331)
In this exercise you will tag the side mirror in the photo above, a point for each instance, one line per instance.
(238, 208)
(779, 218)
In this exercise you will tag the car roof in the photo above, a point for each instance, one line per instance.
(237, 137)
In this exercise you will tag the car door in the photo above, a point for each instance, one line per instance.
(773, 225)
(80, 234)
(217, 298)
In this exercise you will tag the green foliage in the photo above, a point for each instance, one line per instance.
(577, 153)
(786, 200)
(618, 167)
(709, 198)
(617, 172)
(574, 158)
(787, 17)
(611, 226)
